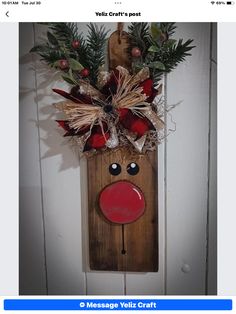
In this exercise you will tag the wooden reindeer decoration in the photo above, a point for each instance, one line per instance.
(116, 120)
(122, 198)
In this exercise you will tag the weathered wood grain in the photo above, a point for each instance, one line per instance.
(140, 237)
(118, 46)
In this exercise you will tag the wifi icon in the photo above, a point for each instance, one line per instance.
(212, 2)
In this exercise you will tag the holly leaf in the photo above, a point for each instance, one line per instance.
(155, 31)
(157, 65)
(68, 79)
(70, 72)
(52, 39)
(75, 65)
(153, 49)
(71, 75)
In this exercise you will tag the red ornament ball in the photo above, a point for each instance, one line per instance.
(84, 72)
(136, 52)
(75, 44)
(63, 64)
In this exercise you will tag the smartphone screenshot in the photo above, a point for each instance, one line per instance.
(118, 156)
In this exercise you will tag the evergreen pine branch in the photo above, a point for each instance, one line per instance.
(90, 53)
(59, 44)
(168, 28)
(96, 42)
(171, 56)
(140, 36)
(66, 33)
(160, 55)
(49, 54)
(52, 56)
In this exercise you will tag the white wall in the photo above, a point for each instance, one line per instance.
(32, 259)
(53, 248)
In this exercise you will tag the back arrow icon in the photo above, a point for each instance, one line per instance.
(7, 13)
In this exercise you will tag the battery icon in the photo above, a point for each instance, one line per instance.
(230, 2)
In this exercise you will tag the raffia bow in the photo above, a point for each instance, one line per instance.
(129, 95)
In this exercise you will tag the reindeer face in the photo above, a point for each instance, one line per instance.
(122, 201)
(122, 211)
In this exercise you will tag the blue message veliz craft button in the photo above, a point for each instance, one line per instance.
(118, 304)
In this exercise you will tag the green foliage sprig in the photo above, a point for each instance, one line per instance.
(159, 51)
(154, 45)
(90, 53)
(96, 43)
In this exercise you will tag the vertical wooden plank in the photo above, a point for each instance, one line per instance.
(212, 232)
(153, 282)
(61, 191)
(187, 166)
(98, 282)
(31, 236)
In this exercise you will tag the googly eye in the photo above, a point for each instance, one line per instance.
(132, 168)
(115, 169)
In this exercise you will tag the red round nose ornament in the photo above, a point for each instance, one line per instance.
(122, 202)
